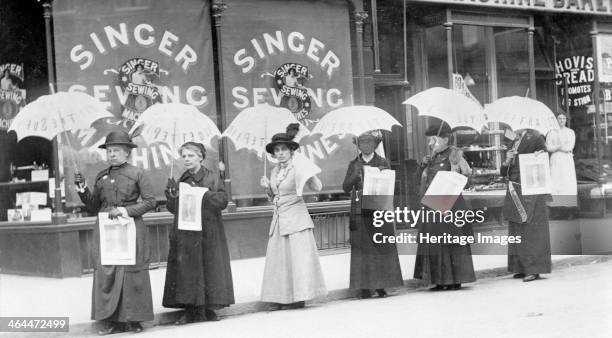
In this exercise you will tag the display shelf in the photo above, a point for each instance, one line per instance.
(473, 150)
(8, 191)
(496, 173)
(8, 185)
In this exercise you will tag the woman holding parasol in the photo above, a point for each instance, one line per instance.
(293, 272)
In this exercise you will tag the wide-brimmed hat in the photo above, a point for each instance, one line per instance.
(434, 130)
(118, 137)
(285, 138)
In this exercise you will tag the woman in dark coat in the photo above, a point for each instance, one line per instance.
(373, 266)
(199, 275)
(121, 293)
(445, 265)
(531, 257)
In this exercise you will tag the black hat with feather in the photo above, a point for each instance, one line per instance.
(285, 138)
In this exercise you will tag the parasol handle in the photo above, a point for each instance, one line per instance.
(172, 167)
(265, 155)
(173, 150)
(65, 132)
(440, 128)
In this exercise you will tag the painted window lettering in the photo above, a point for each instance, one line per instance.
(294, 43)
(143, 35)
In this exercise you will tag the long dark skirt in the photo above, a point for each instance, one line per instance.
(121, 296)
(199, 269)
(185, 283)
(444, 264)
(532, 255)
(373, 266)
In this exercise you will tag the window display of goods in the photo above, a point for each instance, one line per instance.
(589, 169)
(481, 148)
(488, 187)
(485, 171)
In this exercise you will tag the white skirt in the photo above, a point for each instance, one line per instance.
(563, 179)
(293, 271)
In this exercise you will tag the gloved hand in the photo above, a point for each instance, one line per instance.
(357, 175)
(171, 189)
(264, 182)
(79, 180)
(114, 213)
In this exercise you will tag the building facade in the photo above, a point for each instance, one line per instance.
(311, 57)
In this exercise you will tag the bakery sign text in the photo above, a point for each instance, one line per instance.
(601, 7)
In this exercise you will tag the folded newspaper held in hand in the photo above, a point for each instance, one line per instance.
(117, 240)
(304, 170)
(444, 190)
(378, 188)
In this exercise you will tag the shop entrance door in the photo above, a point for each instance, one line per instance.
(491, 54)
(492, 61)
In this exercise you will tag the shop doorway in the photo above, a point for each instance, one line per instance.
(492, 60)
(487, 56)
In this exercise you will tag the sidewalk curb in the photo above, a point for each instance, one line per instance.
(167, 318)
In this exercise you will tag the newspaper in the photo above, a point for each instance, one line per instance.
(304, 170)
(378, 188)
(190, 211)
(117, 240)
(444, 190)
(535, 174)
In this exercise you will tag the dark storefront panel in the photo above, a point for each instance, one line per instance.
(259, 38)
(97, 47)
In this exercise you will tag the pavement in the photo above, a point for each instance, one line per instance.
(71, 297)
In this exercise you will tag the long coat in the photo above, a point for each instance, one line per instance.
(199, 271)
(373, 266)
(443, 264)
(122, 293)
(532, 255)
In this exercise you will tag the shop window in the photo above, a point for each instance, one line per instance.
(64, 7)
(570, 46)
(436, 59)
(470, 59)
(512, 61)
(493, 61)
(390, 36)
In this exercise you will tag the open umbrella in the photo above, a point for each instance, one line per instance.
(354, 120)
(254, 126)
(522, 113)
(175, 124)
(50, 115)
(450, 106)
